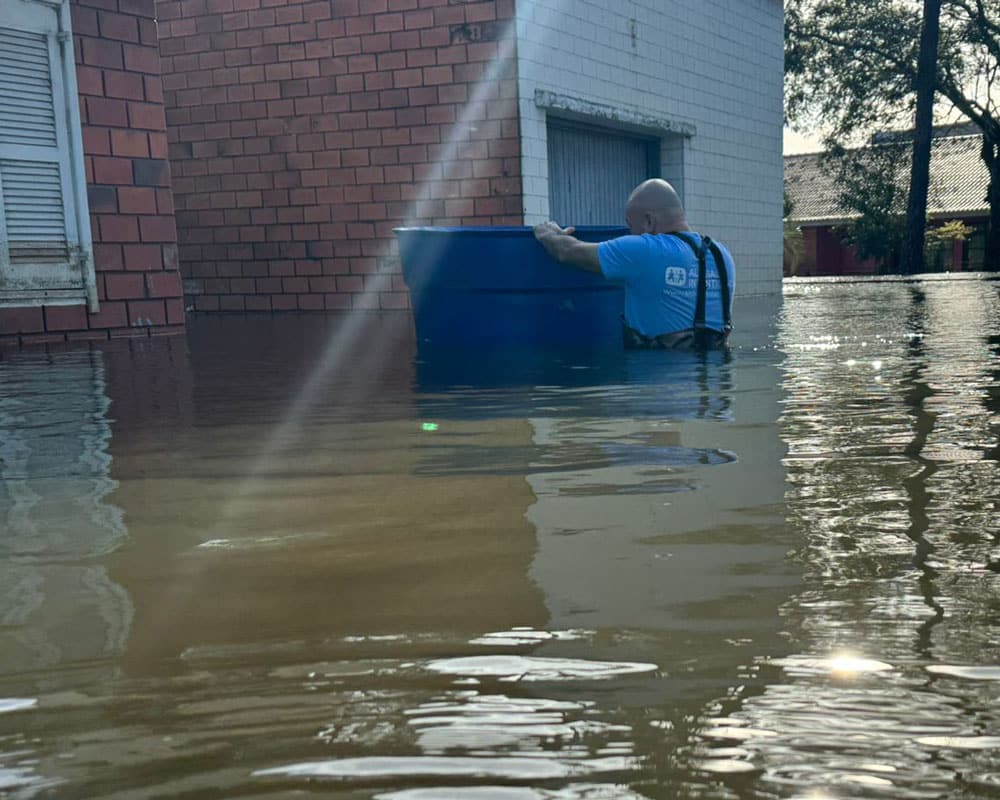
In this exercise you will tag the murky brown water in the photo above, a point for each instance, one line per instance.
(288, 558)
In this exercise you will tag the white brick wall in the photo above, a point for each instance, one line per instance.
(713, 64)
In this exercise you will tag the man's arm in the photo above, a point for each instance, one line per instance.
(566, 248)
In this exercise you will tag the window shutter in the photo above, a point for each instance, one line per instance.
(27, 114)
(33, 208)
(39, 242)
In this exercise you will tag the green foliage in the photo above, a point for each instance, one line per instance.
(850, 64)
(947, 232)
(792, 240)
(793, 248)
(938, 242)
(850, 69)
(871, 185)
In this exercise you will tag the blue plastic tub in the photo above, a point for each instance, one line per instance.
(497, 286)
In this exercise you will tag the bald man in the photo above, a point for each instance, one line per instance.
(678, 283)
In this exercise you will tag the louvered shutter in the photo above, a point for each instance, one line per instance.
(39, 243)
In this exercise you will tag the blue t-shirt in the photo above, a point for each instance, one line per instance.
(660, 274)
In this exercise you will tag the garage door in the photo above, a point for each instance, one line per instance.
(592, 171)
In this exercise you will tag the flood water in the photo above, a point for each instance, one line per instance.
(300, 557)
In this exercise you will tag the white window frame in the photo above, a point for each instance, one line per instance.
(65, 101)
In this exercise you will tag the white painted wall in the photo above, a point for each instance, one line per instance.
(714, 66)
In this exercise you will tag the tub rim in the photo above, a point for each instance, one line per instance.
(502, 230)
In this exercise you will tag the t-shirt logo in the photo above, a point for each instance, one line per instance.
(676, 276)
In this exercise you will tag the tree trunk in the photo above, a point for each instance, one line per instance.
(991, 155)
(912, 255)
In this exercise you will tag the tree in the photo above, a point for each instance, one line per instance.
(793, 240)
(870, 184)
(853, 65)
(944, 235)
(912, 255)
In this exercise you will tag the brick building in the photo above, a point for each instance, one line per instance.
(303, 131)
(88, 247)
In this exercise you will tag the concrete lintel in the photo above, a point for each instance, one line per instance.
(589, 111)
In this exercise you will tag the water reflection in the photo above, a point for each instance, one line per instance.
(325, 530)
(572, 576)
(61, 614)
(670, 519)
(58, 606)
(464, 383)
(658, 487)
(917, 394)
(894, 485)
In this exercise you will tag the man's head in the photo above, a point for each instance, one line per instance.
(654, 207)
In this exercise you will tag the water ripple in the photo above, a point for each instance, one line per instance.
(578, 791)
(9, 704)
(969, 673)
(525, 668)
(397, 767)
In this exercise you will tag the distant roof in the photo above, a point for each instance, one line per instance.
(952, 129)
(958, 184)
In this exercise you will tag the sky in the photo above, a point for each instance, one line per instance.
(799, 143)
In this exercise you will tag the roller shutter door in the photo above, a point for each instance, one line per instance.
(592, 171)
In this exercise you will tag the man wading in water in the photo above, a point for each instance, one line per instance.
(678, 283)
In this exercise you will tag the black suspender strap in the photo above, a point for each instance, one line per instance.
(699, 252)
(726, 297)
(720, 267)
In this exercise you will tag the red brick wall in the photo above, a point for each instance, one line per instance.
(825, 254)
(807, 264)
(128, 178)
(303, 131)
(833, 257)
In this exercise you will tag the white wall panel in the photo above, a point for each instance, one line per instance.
(711, 67)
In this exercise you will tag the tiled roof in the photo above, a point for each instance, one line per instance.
(958, 183)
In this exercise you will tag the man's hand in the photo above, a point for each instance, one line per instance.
(565, 248)
(544, 229)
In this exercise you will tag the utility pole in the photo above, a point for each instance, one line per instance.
(912, 256)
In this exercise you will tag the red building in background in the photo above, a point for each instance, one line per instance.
(957, 192)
